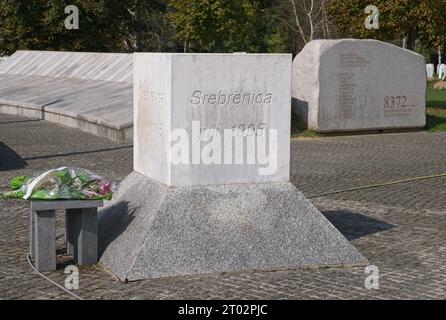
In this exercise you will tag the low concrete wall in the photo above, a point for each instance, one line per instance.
(116, 67)
(23, 111)
(123, 135)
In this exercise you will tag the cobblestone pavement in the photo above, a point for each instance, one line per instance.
(400, 228)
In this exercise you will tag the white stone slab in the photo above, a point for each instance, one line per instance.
(220, 91)
(430, 70)
(349, 84)
(442, 71)
(116, 67)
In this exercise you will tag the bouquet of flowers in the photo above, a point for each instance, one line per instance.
(66, 183)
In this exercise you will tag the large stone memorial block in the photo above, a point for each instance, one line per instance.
(348, 84)
(210, 191)
(207, 119)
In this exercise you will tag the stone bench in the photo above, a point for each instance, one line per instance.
(81, 231)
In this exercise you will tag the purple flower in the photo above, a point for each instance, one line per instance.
(105, 187)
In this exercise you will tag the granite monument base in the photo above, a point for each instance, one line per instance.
(152, 230)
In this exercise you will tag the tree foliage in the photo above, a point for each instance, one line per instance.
(20, 21)
(220, 25)
(424, 20)
(156, 25)
(212, 25)
(39, 24)
(144, 25)
(303, 21)
(105, 25)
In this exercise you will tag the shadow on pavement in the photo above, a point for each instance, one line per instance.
(113, 221)
(19, 121)
(435, 122)
(9, 159)
(67, 154)
(355, 225)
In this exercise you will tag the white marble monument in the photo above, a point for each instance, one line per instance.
(351, 85)
(196, 117)
(211, 191)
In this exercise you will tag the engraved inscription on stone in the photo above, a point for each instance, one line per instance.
(353, 60)
(225, 99)
(232, 98)
(397, 106)
(152, 100)
(347, 84)
(346, 98)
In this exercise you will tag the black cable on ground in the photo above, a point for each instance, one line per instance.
(377, 185)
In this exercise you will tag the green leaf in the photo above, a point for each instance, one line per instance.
(64, 176)
(40, 195)
(18, 182)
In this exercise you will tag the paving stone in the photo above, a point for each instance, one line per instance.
(398, 228)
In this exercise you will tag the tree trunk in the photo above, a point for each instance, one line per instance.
(411, 39)
(219, 46)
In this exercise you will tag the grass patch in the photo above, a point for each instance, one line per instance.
(436, 119)
(435, 97)
(436, 108)
(300, 129)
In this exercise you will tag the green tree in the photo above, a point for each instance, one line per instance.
(410, 19)
(144, 25)
(21, 23)
(221, 25)
(39, 25)
(302, 21)
(104, 25)
(97, 26)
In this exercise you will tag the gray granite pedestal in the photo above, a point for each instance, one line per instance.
(152, 230)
